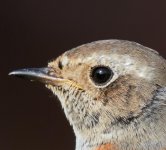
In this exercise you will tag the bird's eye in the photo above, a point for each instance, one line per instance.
(101, 75)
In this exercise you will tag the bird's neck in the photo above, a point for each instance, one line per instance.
(107, 146)
(95, 144)
(139, 136)
(146, 130)
(96, 139)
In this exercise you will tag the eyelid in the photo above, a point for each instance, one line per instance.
(100, 65)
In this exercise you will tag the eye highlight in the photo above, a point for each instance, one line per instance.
(101, 75)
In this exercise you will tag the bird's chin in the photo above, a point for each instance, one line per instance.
(56, 89)
(78, 107)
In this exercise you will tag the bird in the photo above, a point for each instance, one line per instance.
(113, 93)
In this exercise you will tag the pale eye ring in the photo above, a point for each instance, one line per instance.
(101, 75)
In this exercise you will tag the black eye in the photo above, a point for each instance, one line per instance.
(101, 75)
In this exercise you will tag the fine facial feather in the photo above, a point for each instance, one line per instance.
(113, 93)
(103, 114)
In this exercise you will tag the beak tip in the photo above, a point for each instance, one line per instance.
(11, 73)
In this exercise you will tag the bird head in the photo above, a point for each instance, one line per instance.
(102, 84)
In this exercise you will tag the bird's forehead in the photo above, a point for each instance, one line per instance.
(110, 50)
(101, 56)
(96, 57)
(121, 63)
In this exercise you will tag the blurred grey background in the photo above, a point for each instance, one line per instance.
(33, 32)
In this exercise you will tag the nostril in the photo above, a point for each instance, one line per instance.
(52, 72)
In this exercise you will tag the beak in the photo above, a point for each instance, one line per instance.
(44, 75)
